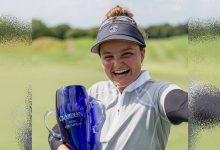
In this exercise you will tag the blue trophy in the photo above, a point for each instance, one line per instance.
(80, 118)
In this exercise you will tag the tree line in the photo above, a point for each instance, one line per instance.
(203, 30)
(12, 28)
(64, 31)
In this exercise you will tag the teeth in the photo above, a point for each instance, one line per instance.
(121, 71)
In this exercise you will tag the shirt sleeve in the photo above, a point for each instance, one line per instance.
(93, 90)
(176, 106)
(164, 91)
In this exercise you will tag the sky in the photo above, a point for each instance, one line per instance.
(90, 13)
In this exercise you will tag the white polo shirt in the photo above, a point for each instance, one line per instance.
(135, 118)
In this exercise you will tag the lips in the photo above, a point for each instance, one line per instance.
(121, 72)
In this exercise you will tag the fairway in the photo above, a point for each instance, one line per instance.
(51, 64)
(54, 66)
(15, 79)
(55, 63)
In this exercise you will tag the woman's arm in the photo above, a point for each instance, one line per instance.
(176, 106)
(204, 106)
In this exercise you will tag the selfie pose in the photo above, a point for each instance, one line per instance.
(139, 110)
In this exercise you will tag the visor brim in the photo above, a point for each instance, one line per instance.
(95, 48)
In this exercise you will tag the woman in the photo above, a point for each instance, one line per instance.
(139, 110)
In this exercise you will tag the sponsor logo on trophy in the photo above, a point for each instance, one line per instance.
(80, 118)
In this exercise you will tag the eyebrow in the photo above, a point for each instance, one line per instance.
(105, 53)
(127, 49)
(124, 50)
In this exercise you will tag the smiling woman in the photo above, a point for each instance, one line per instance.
(121, 61)
(139, 110)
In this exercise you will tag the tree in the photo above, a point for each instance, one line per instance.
(40, 29)
(180, 29)
(93, 32)
(12, 28)
(76, 33)
(59, 31)
(166, 30)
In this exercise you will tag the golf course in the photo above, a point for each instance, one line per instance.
(56, 63)
(50, 63)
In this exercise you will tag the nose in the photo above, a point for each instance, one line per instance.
(118, 62)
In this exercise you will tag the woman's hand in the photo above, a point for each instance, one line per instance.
(63, 147)
(55, 143)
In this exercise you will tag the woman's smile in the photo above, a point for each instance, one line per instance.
(121, 61)
(121, 72)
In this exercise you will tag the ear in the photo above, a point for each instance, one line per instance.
(142, 54)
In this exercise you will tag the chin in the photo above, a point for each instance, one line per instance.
(122, 86)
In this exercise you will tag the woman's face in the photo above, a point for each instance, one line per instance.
(121, 61)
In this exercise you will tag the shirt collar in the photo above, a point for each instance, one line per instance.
(143, 77)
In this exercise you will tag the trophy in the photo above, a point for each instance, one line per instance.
(80, 118)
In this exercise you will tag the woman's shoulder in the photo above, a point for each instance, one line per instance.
(100, 86)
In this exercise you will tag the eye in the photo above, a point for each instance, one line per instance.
(107, 57)
(127, 54)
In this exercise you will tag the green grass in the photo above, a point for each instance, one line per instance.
(56, 67)
(56, 63)
(53, 66)
(204, 61)
(48, 78)
(14, 81)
